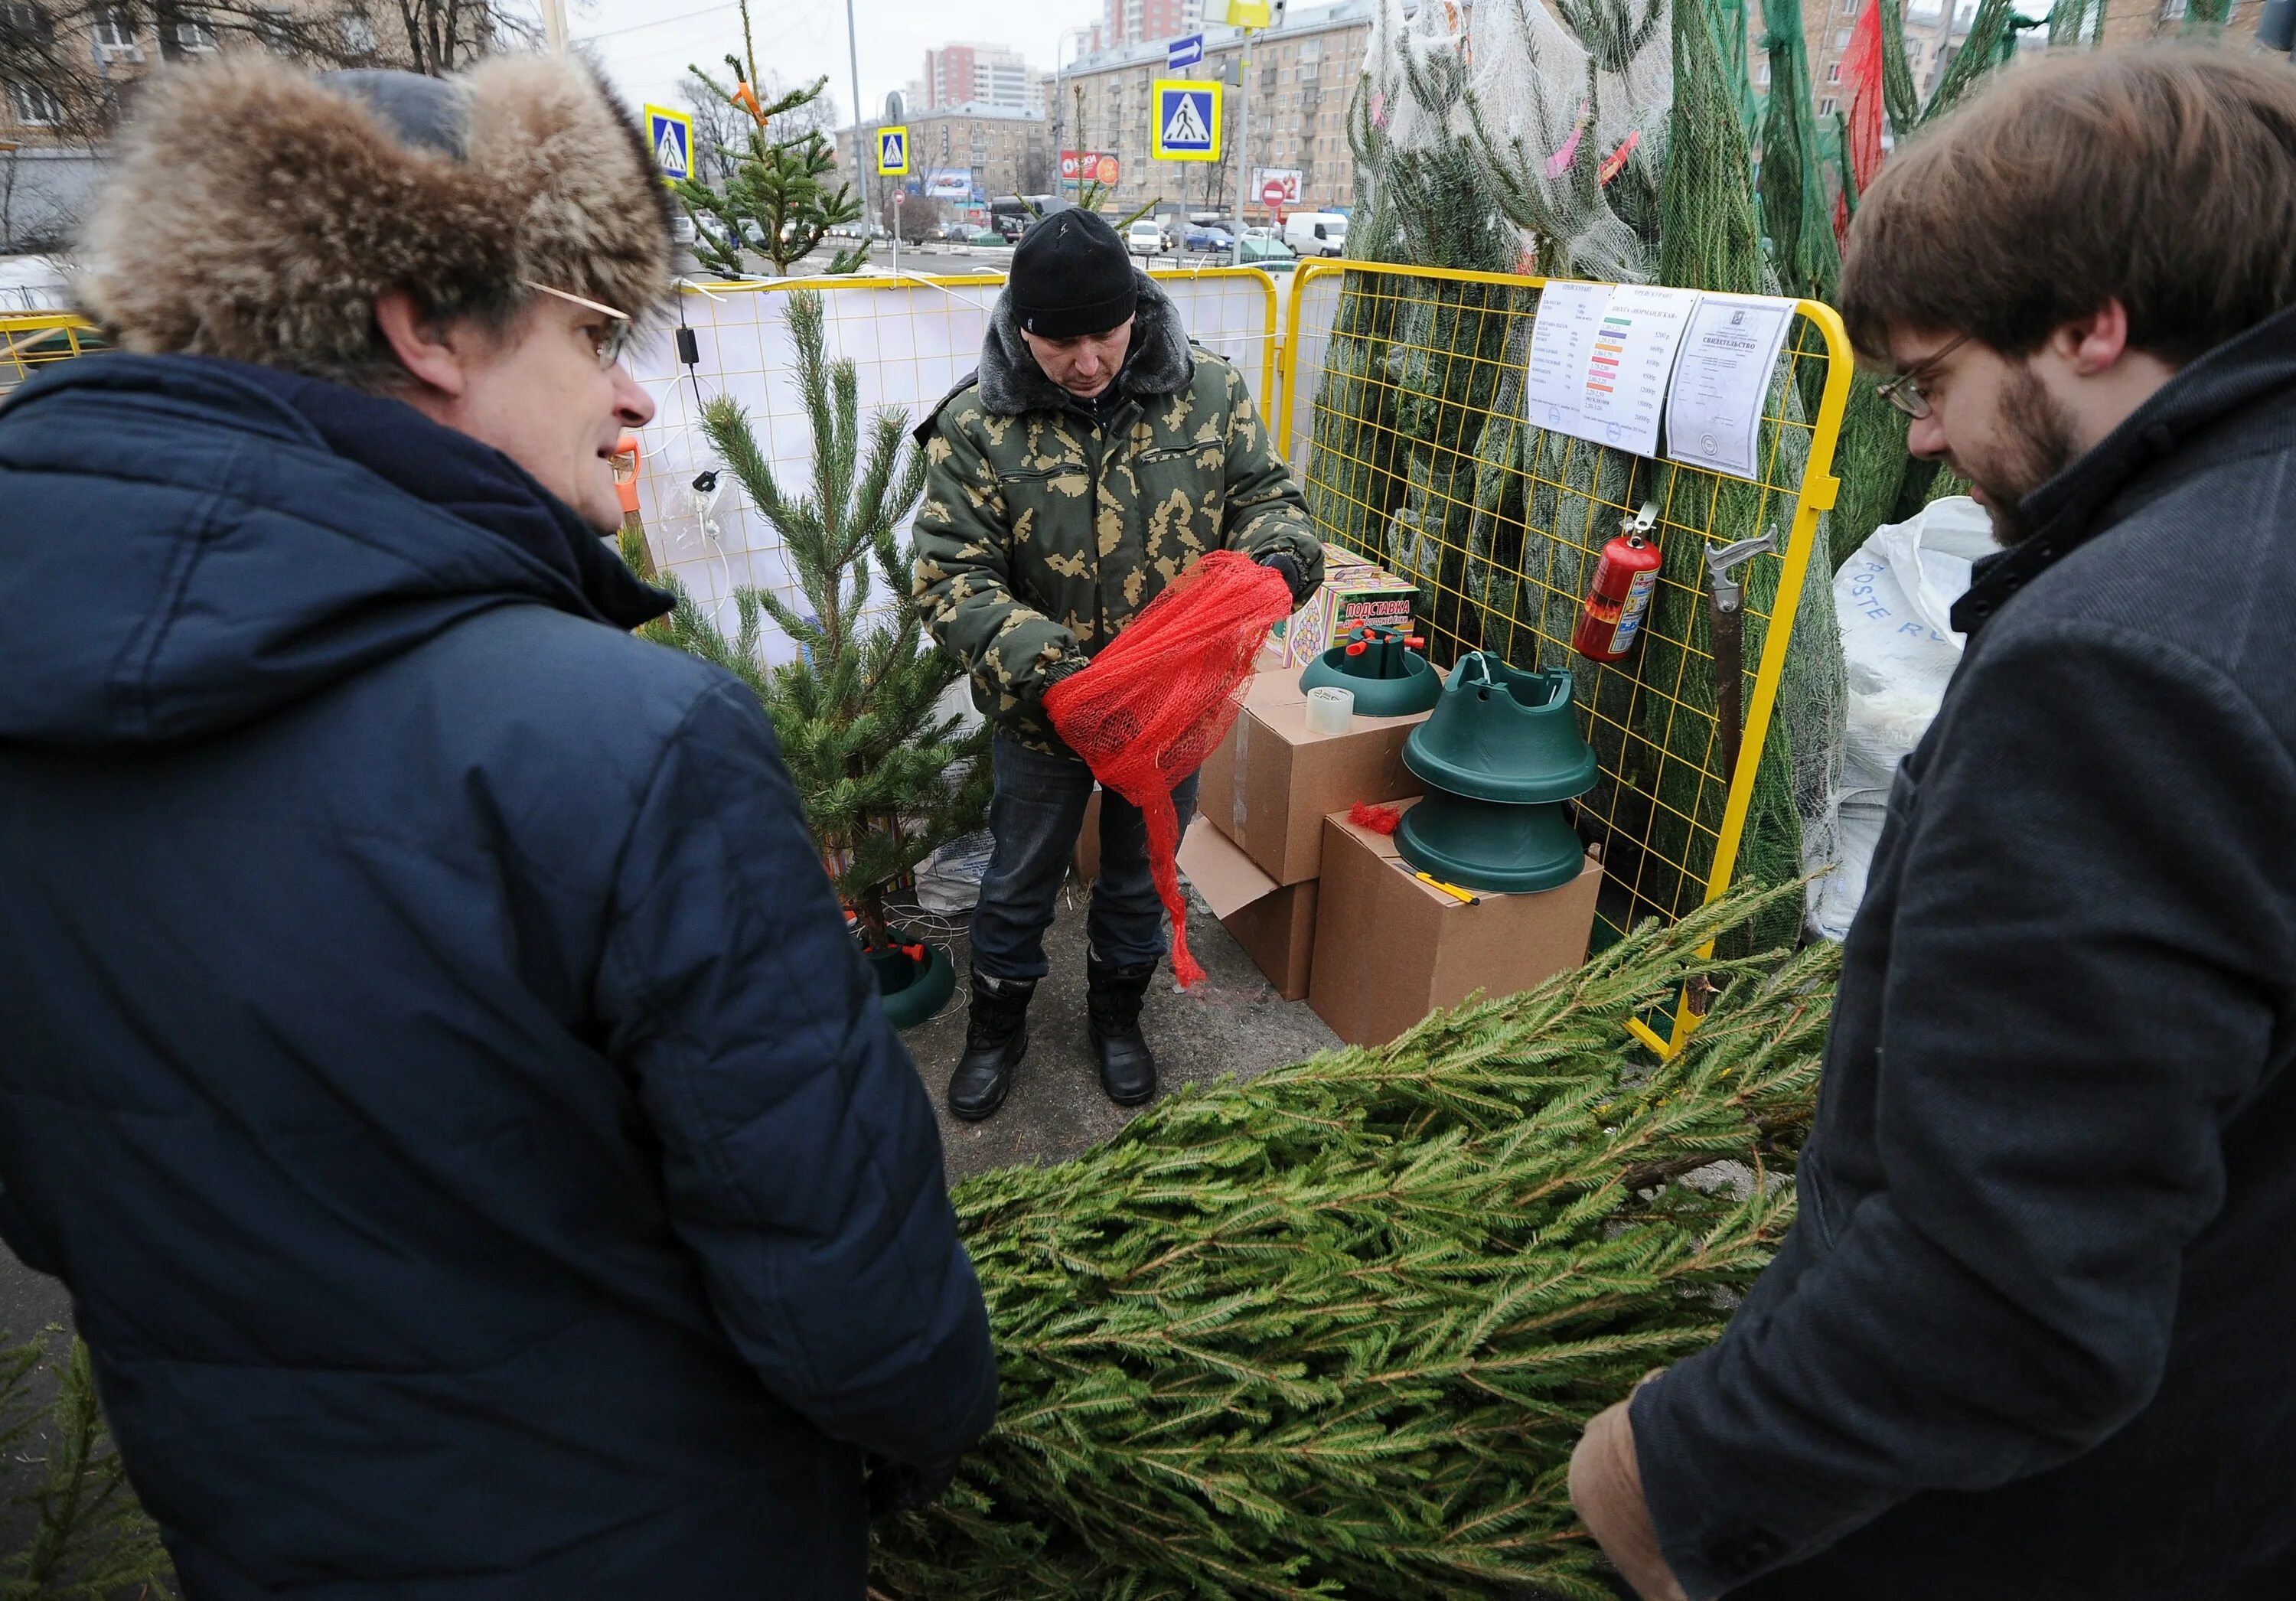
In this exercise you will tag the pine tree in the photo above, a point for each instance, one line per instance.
(778, 202)
(90, 1537)
(1335, 1331)
(886, 778)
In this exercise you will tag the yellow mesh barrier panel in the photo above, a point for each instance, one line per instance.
(30, 342)
(1402, 413)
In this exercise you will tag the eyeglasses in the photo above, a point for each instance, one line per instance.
(1905, 391)
(609, 344)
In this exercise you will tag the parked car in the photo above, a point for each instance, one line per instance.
(1317, 233)
(1146, 238)
(1205, 238)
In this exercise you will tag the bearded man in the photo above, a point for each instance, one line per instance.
(2028, 1336)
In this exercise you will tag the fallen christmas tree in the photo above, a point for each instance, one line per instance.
(1335, 1331)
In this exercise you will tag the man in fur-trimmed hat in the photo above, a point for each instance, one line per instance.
(1093, 456)
(433, 1056)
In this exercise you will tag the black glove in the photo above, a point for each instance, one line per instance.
(1067, 667)
(905, 1487)
(1278, 562)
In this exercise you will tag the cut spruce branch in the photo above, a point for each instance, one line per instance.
(1334, 1332)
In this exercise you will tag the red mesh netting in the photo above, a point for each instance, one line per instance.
(1157, 700)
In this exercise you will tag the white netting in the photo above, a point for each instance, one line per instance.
(1571, 112)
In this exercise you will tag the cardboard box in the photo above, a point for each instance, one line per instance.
(1270, 782)
(1353, 592)
(1389, 950)
(1276, 924)
(1086, 856)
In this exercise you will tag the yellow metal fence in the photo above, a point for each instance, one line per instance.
(28, 342)
(1402, 408)
(1397, 393)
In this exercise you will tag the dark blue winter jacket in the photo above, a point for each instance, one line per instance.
(429, 1049)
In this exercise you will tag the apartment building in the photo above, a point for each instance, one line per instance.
(972, 74)
(69, 69)
(1303, 75)
(1005, 149)
(2142, 20)
(1144, 23)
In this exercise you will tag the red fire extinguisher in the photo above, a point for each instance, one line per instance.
(1618, 599)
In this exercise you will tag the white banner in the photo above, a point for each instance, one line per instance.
(909, 346)
(1289, 177)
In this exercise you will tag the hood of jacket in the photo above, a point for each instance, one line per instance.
(184, 548)
(1159, 362)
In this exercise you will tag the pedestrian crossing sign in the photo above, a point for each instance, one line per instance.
(671, 136)
(1186, 127)
(892, 151)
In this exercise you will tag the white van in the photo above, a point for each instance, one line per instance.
(1317, 233)
(1145, 238)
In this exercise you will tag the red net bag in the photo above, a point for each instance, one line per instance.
(1155, 702)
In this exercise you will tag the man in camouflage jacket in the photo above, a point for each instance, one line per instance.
(1091, 459)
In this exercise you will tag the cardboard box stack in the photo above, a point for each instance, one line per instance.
(1391, 948)
(1328, 910)
(1256, 849)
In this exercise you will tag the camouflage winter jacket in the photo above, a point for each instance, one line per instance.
(1042, 534)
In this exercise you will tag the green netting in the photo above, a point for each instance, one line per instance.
(1794, 207)
(1899, 98)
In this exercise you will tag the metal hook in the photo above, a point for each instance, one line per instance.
(1728, 593)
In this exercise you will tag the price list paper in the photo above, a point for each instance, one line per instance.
(1714, 411)
(1630, 360)
(1569, 313)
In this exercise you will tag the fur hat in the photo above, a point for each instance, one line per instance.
(256, 211)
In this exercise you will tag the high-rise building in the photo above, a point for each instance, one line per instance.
(1303, 75)
(961, 74)
(1001, 150)
(1147, 21)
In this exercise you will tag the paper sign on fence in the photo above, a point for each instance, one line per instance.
(1560, 341)
(1630, 360)
(1714, 410)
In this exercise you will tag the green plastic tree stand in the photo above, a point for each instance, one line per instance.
(1388, 679)
(1490, 845)
(1500, 755)
(912, 991)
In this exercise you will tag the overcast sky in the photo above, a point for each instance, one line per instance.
(645, 44)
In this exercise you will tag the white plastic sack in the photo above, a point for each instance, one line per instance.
(949, 881)
(1894, 599)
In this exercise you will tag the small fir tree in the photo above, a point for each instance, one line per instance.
(778, 202)
(886, 778)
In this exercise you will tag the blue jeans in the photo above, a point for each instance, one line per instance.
(1034, 817)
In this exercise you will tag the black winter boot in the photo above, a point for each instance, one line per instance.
(995, 1039)
(1112, 999)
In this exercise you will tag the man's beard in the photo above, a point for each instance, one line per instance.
(2035, 441)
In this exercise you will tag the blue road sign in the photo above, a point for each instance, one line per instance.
(671, 136)
(1184, 52)
(1186, 127)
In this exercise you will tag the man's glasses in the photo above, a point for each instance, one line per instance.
(609, 346)
(1905, 391)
